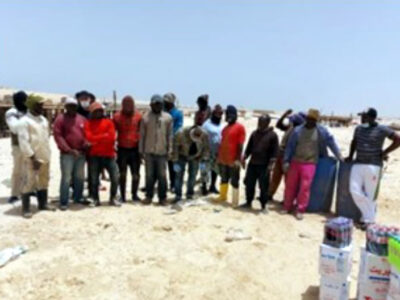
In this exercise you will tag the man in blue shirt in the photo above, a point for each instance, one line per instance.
(177, 118)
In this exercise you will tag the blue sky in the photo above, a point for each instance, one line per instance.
(338, 56)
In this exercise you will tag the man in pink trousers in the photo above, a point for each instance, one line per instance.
(306, 145)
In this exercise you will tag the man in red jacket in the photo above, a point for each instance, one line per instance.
(127, 124)
(100, 134)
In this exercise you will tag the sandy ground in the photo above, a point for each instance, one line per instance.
(138, 252)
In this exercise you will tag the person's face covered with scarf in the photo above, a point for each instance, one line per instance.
(202, 102)
(19, 100)
(216, 114)
(34, 104)
(128, 106)
(231, 114)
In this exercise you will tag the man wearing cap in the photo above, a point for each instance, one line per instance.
(177, 118)
(305, 146)
(33, 138)
(230, 155)
(13, 117)
(293, 120)
(191, 148)
(155, 146)
(127, 124)
(100, 134)
(368, 142)
(70, 139)
(213, 127)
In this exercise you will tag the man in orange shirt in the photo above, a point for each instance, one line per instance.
(100, 134)
(230, 155)
(127, 124)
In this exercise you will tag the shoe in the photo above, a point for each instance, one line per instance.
(115, 202)
(63, 207)
(213, 190)
(42, 199)
(162, 202)
(12, 199)
(246, 205)
(94, 203)
(223, 192)
(122, 199)
(147, 201)
(136, 198)
(189, 197)
(235, 197)
(264, 211)
(284, 212)
(299, 216)
(26, 206)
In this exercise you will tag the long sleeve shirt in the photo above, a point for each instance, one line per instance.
(100, 133)
(183, 144)
(262, 147)
(325, 141)
(33, 137)
(68, 133)
(177, 118)
(128, 129)
(13, 117)
(156, 134)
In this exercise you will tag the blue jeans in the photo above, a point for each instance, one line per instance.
(72, 168)
(193, 166)
(156, 171)
(97, 164)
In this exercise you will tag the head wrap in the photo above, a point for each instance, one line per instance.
(95, 106)
(231, 110)
(313, 114)
(33, 100)
(70, 101)
(170, 98)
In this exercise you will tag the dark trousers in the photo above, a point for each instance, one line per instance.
(256, 173)
(97, 164)
(156, 171)
(171, 174)
(230, 175)
(128, 158)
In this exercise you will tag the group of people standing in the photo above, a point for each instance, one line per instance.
(85, 136)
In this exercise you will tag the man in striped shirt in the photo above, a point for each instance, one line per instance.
(368, 143)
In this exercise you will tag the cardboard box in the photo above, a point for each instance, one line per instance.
(334, 290)
(394, 285)
(335, 263)
(373, 289)
(394, 252)
(373, 267)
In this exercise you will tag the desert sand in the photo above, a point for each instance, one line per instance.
(139, 252)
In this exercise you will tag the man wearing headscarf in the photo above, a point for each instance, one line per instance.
(213, 127)
(13, 117)
(70, 139)
(230, 155)
(100, 133)
(127, 124)
(305, 146)
(33, 138)
(177, 118)
(204, 111)
(293, 120)
(191, 148)
(155, 146)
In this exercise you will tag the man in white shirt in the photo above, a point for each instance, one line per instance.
(33, 137)
(13, 117)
